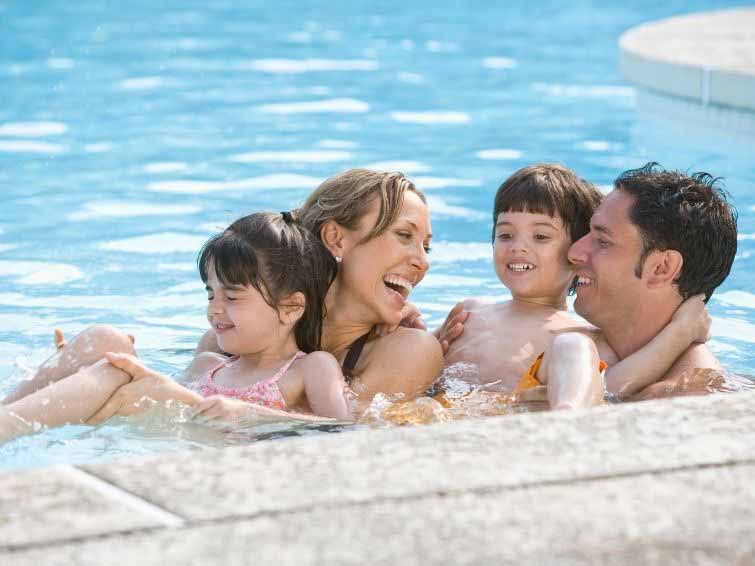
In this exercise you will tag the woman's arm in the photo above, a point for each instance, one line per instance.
(406, 362)
(690, 324)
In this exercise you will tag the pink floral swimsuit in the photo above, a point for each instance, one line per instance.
(264, 392)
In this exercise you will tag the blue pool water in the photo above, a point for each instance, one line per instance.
(129, 135)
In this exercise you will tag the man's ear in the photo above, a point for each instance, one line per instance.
(291, 308)
(332, 235)
(663, 268)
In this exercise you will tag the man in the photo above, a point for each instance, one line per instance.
(659, 238)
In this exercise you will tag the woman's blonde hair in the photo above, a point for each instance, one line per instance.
(346, 197)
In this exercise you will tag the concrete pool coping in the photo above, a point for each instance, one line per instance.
(708, 57)
(659, 482)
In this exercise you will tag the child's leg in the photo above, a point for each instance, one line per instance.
(84, 350)
(73, 399)
(571, 371)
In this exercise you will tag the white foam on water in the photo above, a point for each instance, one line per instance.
(736, 298)
(423, 182)
(430, 117)
(101, 147)
(192, 287)
(163, 243)
(296, 156)
(435, 46)
(276, 181)
(499, 154)
(141, 83)
(159, 167)
(445, 252)
(60, 63)
(745, 236)
(178, 266)
(440, 280)
(337, 144)
(408, 167)
(32, 129)
(434, 307)
(39, 272)
(27, 146)
(498, 63)
(410, 78)
(439, 207)
(334, 105)
(289, 66)
(179, 321)
(130, 209)
(213, 227)
(580, 91)
(600, 145)
(7, 247)
(733, 329)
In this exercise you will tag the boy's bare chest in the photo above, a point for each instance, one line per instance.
(502, 350)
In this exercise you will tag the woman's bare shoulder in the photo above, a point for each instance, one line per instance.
(408, 346)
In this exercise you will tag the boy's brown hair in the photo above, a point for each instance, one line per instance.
(549, 188)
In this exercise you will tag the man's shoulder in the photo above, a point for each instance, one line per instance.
(697, 356)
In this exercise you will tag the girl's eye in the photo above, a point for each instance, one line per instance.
(542, 237)
(504, 236)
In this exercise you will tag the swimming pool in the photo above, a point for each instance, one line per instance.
(128, 137)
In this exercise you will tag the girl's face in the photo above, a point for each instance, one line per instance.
(379, 275)
(243, 322)
(530, 255)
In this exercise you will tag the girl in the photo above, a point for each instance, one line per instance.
(266, 278)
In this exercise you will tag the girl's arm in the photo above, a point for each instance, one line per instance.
(324, 385)
(690, 324)
(72, 399)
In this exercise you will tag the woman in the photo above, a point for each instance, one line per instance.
(377, 228)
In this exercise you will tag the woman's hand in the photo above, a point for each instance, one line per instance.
(147, 387)
(692, 318)
(452, 327)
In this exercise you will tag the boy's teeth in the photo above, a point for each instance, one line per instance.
(521, 266)
(582, 280)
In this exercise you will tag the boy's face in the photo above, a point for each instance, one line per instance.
(530, 255)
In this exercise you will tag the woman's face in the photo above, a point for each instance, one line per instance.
(379, 275)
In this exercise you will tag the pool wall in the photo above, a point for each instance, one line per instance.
(658, 482)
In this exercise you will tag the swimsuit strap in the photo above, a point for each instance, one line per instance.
(284, 367)
(211, 374)
(352, 356)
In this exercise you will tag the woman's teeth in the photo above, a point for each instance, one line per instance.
(520, 266)
(399, 284)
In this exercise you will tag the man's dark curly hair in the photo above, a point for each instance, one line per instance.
(687, 213)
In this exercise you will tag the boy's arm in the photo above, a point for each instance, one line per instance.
(690, 324)
(453, 326)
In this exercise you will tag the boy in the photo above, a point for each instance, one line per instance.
(538, 213)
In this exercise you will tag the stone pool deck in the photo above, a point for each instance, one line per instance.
(708, 57)
(660, 482)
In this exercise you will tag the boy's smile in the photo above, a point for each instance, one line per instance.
(529, 253)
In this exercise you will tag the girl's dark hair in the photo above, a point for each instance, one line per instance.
(278, 257)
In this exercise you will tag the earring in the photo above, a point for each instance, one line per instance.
(338, 259)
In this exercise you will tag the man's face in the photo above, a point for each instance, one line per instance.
(605, 260)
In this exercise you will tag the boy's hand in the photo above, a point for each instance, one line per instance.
(452, 327)
(693, 319)
(410, 318)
